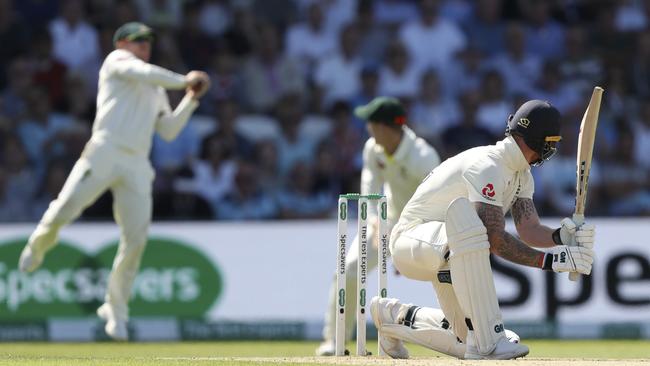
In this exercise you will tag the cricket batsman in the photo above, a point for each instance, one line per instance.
(132, 104)
(394, 159)
(453, 222)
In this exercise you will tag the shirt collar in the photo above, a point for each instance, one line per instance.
(408, 139)
(513, 156)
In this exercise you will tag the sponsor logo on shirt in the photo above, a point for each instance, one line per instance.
(380, 164)
(488, 191)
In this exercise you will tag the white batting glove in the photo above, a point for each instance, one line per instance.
(585, 235)
(564, 258)
(567, 231)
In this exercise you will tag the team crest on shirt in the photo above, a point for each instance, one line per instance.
(488, 191)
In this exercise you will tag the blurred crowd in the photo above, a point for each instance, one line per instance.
(276, 137)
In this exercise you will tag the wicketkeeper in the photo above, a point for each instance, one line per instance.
(453, 222)
(394, 161)
(132, 104)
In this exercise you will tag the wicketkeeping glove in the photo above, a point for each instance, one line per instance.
(564, 258)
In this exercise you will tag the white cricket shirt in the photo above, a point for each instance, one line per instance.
(399, 174)
(495, 174)
(132, 103)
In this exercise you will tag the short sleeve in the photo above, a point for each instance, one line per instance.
(527, 186)
(484, 184)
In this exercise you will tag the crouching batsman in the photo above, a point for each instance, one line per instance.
(453, 222)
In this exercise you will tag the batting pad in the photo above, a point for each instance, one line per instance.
(471, 273)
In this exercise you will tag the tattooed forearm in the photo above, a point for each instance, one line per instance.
(523, 210)
(502, 243)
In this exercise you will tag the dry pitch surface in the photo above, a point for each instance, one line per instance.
(543, 353)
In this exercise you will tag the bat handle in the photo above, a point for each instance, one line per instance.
(578, 219)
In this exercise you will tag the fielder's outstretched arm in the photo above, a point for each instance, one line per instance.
(531, 231)
(169, 123)
(131, 67)
(501, 242)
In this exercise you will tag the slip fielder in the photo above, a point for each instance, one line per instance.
(455, 219)
(132, 104)
(394, 159)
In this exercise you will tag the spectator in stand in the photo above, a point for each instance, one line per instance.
(242, 34)
(464, 74)
(350, 142)
(485, 29)
(227, 112)
(160, 14)
(19, 181)
(281, 13)
(266, 158)
(626, 185)
(292, 144)
(432, 41)
(369, 84)
(43, 132)
(580, 69)
(519, 68)
(50, 186)
(495, 107)
(641, 132)
(563, 96)
(195, 46)
(392, 13)
(338, 74)
(310, 41)
(20, 82)
(267, 74)
(226, 81)
(641, 65)
(545, 36)
(76, 42)
(399, 77)
(458, 11)
(630, 16)
(214, 17)
(467, 134)
(432, 112)
(213, 174)
(247, 200)
(300, 199)
(48, 72)
(338, 13)
(14, 37)
(373, 37)
(327, 177)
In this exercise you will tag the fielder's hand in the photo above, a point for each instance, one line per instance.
(563, 258)
(198, 84)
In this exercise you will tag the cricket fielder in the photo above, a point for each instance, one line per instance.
(394, 159)
(131, 104)
(455, 219)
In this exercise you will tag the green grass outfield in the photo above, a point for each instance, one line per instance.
(543, 352)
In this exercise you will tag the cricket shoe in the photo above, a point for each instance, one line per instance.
(326, 349)
(381, 309)
(30, 259)
(115, 327)
(506, 349)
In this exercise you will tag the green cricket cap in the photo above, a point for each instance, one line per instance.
(382, 110)
(133, 31)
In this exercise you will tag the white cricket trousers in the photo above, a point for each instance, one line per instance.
(420, 253)
(129, 176)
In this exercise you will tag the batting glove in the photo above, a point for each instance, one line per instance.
(585, 236)
(564, 258)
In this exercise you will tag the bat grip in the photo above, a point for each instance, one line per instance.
(578, 219)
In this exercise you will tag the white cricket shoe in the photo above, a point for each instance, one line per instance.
(326, 348)
(381, 309)
(115, 327)
(30, 259)
(506, 349)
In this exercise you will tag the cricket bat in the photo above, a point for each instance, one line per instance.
(583, 162)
